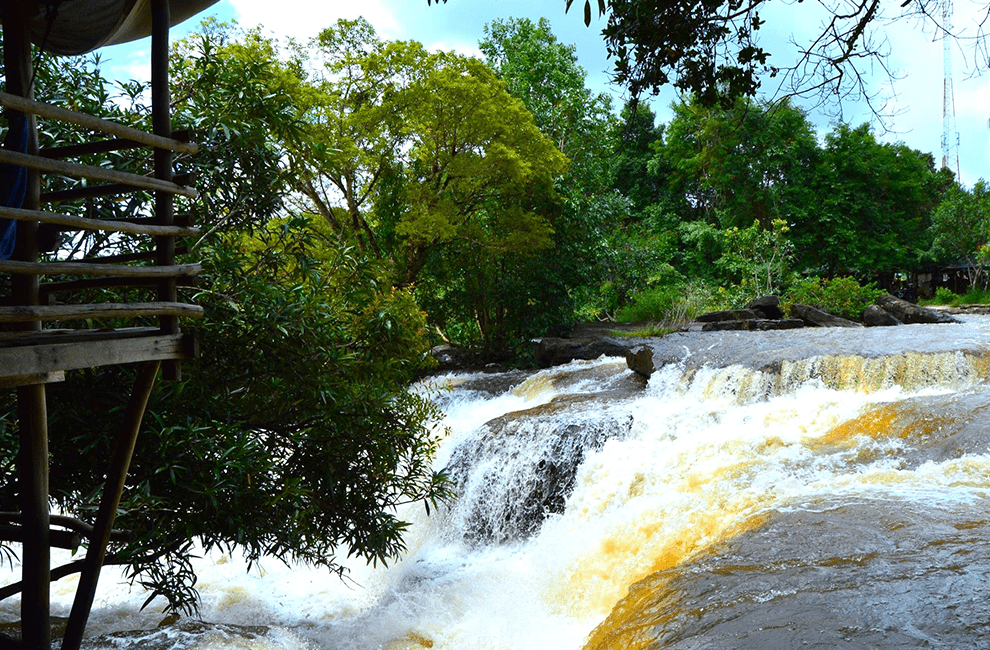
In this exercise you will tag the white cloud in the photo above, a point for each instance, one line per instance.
(303, 19)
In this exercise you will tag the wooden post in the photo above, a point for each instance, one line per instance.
(32, 410)
(161, 119)
(112, 491)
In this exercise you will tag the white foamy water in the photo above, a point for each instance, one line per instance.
(695, 457)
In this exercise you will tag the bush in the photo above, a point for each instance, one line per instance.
(841, 296)
(672, 304)
(943, 296)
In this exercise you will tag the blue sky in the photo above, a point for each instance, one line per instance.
(916, 56)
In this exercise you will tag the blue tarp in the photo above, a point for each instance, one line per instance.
(13, 180)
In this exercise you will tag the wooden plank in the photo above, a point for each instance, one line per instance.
(74, 170)
(85, 268)
(41, 358)
(90, 122)
(27, 380)
(48, 288)
(28, 313)
(105, 225)
(49, 337)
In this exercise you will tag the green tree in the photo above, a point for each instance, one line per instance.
(293, 436)
(543, 72)
(356, 114)
(873, 207)
(751, 162)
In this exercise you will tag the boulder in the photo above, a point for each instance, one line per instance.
(817, 318)
(768, 306)
(877, 316)
(640, 360)
(909, 313)
(729, 314)
(520, 468)
(556, 352)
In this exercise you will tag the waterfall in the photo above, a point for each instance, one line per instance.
(742, 497)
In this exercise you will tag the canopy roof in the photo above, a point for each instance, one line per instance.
(80, 26)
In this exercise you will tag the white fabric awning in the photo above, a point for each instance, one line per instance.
(80, 26)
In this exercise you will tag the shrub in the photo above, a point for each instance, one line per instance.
(841, 296)
(671, 304)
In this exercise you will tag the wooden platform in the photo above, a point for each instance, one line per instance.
(43, 357)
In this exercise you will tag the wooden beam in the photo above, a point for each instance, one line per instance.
(105, 225)
(110, 270)
(120, 463)
(27, 380)
(90, 122)
(21, 314)
(49, 288)
(48, 337)
(44, 358)
(74, 170)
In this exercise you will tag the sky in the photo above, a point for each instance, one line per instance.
(915, 98)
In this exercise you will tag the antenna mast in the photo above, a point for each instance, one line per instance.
(950, 136)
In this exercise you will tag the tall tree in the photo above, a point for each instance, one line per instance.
(293, 436)
(543, 72)
(873, 208)
(960, 231)
(750, 162)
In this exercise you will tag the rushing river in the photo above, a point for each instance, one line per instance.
(801, 489)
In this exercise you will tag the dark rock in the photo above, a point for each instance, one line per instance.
(818, 318)
(451, 357)
(640, 360)
(729, 314)
(769, 306)
(877, 316)
(761, 325)
(909, 313)
(556, 352)
(520, 468)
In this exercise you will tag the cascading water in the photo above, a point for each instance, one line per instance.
(762, 490)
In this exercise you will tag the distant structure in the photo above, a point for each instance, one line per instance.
(950, 136)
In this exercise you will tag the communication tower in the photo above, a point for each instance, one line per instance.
(950, 136)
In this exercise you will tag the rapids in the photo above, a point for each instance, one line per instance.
(810, 488)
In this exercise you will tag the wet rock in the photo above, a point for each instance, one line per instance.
(729, 315)
(451, 357)
(520, 468)
(640, 360)
(910, 313)
(877, 316)
(761, 325)
(556, 352)
(768, 306)
(818, 318)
